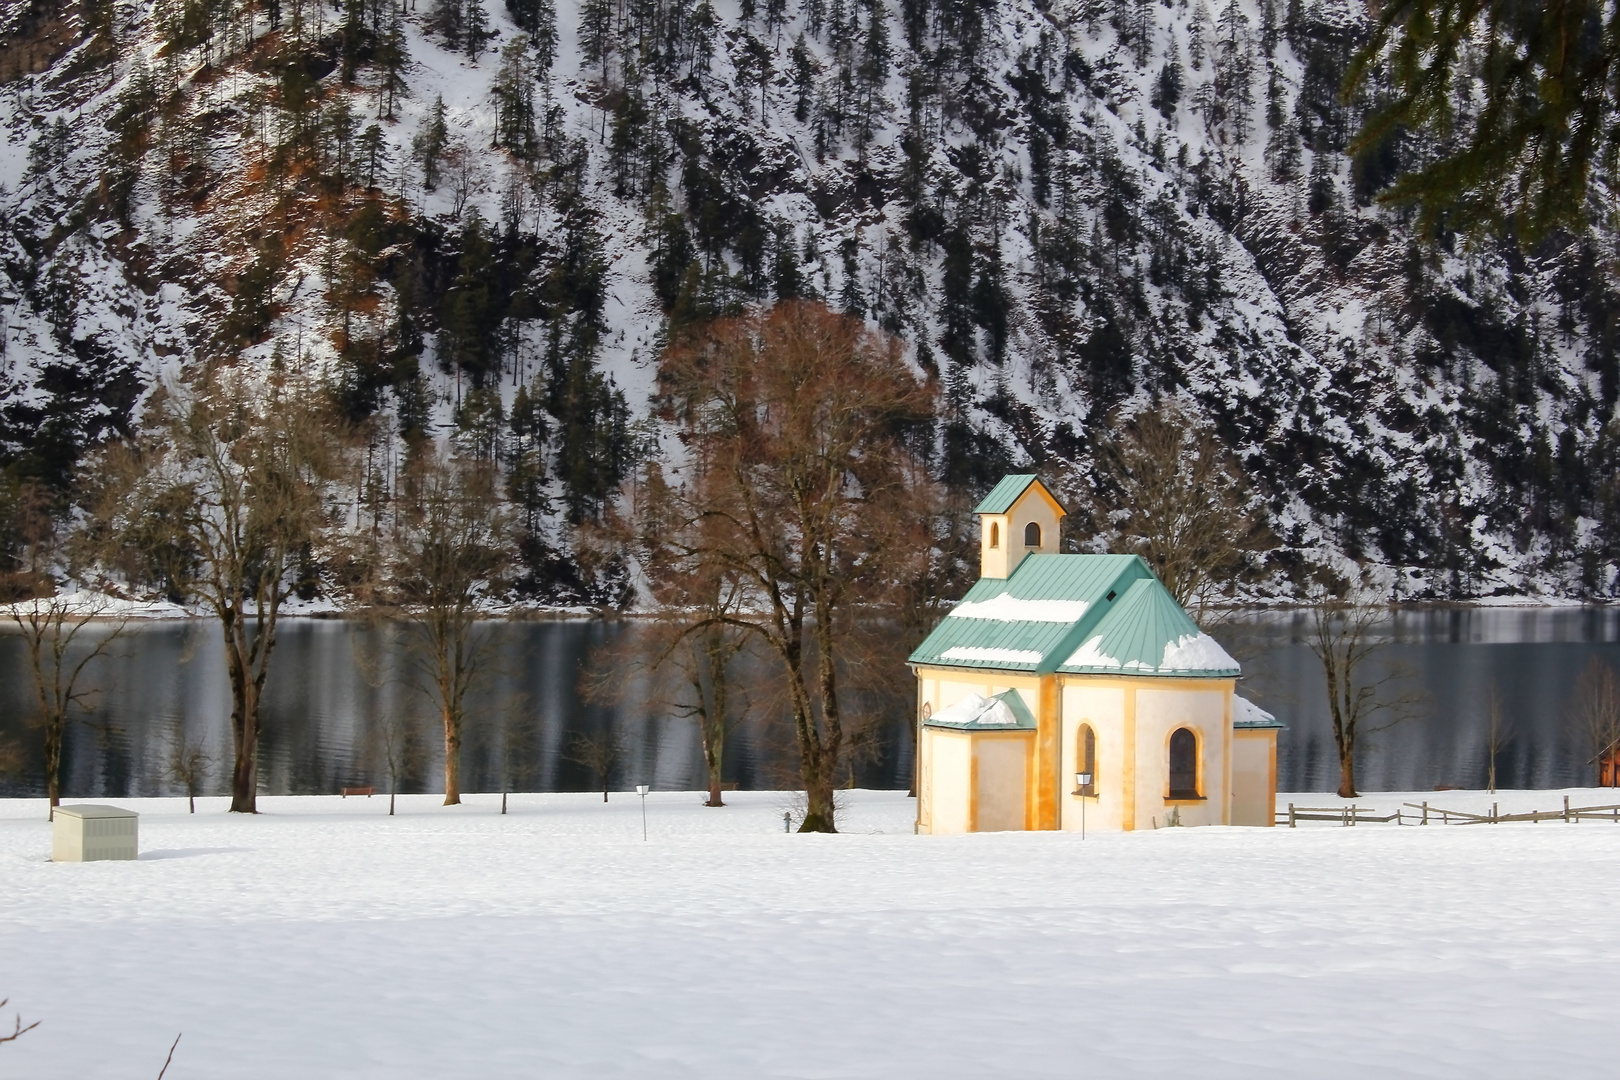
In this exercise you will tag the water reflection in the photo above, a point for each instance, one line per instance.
(333, 681)
(1447, 660)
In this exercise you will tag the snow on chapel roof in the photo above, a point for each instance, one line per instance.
(1079, 614)
(1005, 710)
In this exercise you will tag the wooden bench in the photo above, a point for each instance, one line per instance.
(368, 792)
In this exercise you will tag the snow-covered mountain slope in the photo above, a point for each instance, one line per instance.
(1064, 210)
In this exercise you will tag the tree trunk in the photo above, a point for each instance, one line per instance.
(244, 719)
(604, 791)
(452, 759)
(53, 762)
(820, 750)
(819, 812)
(713, 722)
(1347, 770)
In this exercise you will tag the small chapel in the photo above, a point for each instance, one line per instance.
(1070, 691)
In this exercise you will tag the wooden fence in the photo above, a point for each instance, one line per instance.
(1356, 815)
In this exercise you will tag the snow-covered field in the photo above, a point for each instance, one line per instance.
(324, 939)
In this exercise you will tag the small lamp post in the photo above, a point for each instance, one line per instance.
(641, 789)
(1082, 780)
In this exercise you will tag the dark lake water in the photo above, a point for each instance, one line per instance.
(333, 679)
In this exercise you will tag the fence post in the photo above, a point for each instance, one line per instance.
(1493, 813)
(1290, 815)
(1425, 820)
(1566, 809)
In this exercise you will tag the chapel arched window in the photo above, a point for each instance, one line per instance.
(1032, 535)
(995, 535)
(1183, 764)
(1085, 758)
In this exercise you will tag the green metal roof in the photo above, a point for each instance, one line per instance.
(1005, 493)
(1084, 614)
(982, 714)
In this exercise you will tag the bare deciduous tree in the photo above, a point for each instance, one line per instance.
(1499, 733)
(63, 634)
(807, 492)
(189, 764)
(227, 503)
(451, 553)
(398, 742)
(599, 752)
(695, 641)
(50, 628)
(1174, 495)
(17, 1029)
(1344, 639)
(1593, 709)
(392, 733)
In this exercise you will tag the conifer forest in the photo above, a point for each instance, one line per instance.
(479, 226)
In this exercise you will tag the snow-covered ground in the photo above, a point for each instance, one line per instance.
(324, 939)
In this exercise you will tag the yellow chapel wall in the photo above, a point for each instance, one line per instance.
(945, 789)
(946, 759)
(974, 781)
(1159, 711)
(1102, 705)
(1133, 718)
(1002, 764)
(1254, 777)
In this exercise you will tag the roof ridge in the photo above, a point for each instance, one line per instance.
(1095, 614)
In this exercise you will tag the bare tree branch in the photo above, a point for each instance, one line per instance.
(17, 1031)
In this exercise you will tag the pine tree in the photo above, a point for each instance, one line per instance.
(1234, 70)
(475, 28)
(815, 15)
(352, 36)
(431, 142)
(786, 281)
(1522, 162)
(705, 24)
(340, 127)
(393, 58)
(1167, 91)
(373, 150)
(1198, 35)
(513, 91)
(804, 78)
(526, 471)
(596, 32)
(448, 18)
(543, 34)
(471, 315)
(872, 73)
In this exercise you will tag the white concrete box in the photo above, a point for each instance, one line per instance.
(88, 833)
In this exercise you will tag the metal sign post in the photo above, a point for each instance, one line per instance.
(1082, 780)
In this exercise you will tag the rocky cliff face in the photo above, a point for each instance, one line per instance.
(482, 222)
